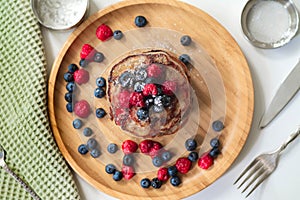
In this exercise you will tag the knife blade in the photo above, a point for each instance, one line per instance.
(284, 94)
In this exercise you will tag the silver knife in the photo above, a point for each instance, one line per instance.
(284, 94)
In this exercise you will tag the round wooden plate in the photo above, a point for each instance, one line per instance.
(224, 54)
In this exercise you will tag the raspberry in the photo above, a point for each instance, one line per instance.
(124, 97)
(82, 109)
(154, 70)
(162, 174)
(205, 161)
(145, 146)
(150, 89)
(155, 150)
(183, 165)
(86, 50)
(129, 146)
(104, 32)
(81, 76)
(136, 99)
(128, 172)
(169, 87)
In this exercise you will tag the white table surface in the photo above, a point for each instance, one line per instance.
(269, 68)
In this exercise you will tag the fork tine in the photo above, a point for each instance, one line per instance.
(265, 175)
(257, 174)
(251, 171)
(245, 170)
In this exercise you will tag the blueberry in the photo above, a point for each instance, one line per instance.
(159, 90)
(87, 132)
(91, 144)
(99, 92)
(190, 144)
(68, 97)
(193, 156)
(217, 125)
(172, 171)
(157, 161)
(158, 108)
(140, 21)
(110, 169)
(158, 100)
(156, 183)
(126, 79)
(186, 59)
(175, 181)
(139, 86)
(95, 153)
(166, 101)
(77, 123)
(185, 40)
(214, 143)
(166, 156)
(140, 74)
(83, 62)
(117, 175)
(149, 102)
(100, 113)
(145, 183)
(70, 86)
(118, 34)
(72, 68)
(128, 160)
(112, 148)
(69, 107)
(101, 82)
(68, 77)
(142, 114)
(214, 152)
(98, 57)
(82, 149)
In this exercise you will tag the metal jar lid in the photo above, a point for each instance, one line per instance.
(60, 14)
(270, 23)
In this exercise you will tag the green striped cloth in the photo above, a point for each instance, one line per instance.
(25, 133)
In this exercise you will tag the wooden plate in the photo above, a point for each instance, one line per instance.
(221, 52)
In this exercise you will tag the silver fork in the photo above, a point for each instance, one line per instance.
(15, 176)
(262, 166)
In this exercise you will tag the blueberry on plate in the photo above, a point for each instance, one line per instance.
(110, 169)
(101, 82)
(166, 156)
(72, 68)
(98, 57)
(185, 40)
(77, 123)
(166, 100)
(145, 183)
(214, 143)
(190, 144)
(157, 161)
(139, 86)
(156, 183)
(118, 35)
(217, 125)
(149, 101)
(95, 153)
(193, 156)
(70, 86)
(112, 148)
(214, 152)
(68, 77)
(175, 181)
(186, 59)
(126, 79)
(172, 170)
(82, 149)
(99, 92)
(87, 132)
(117, 175)
(69, 107)
(100, 113)
(68, 97)
(91, 144)
(140, 21)
(83, 62)
(140, 74)
(142, 114)
(128, 160)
